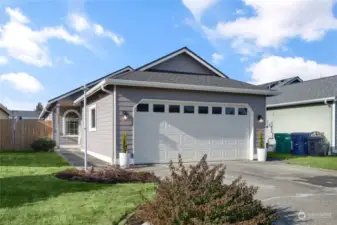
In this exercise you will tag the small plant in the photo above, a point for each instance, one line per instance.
(261, 139)
(43, 145)
(125, 142)
(198, 196)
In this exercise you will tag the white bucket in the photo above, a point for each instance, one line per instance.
(124, 159)
(261, 154)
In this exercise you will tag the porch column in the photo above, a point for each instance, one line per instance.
(57, 124)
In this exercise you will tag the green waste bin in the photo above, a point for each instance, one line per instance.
(283, 142)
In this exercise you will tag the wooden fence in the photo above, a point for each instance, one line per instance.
(20, 134)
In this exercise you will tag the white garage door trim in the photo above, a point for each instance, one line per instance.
(166, 101)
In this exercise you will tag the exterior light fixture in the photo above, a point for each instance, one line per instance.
(260, 119)
(125, 115)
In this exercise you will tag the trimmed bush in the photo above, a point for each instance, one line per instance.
(43, 145)
(108, 175)
(198, 196)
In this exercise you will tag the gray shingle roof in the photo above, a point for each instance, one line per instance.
(308, 90)
(180, 78)
(25, 113)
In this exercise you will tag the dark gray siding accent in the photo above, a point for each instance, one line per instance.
(182, 63)
(128, 97)
(101, 140)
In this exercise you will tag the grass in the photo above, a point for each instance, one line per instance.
(326, 162)
(30, 194)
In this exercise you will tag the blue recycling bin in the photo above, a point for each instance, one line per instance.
(300, 143)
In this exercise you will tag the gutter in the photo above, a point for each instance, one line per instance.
(302, 102)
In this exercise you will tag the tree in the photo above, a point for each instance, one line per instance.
(39, 107)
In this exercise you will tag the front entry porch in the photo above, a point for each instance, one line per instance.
(67, 125)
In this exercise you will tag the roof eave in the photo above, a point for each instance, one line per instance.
(174, 86)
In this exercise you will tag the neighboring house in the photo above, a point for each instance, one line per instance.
(281, 83)
(25, 114)
(4, 112)
(178, 103)
(305, 107)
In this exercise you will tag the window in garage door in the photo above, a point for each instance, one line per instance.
(142, 107)
(174, 108)
(189, 109)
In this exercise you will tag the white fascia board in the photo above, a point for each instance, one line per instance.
(190, 54)
(188, 87)
(92, 90)
(302, 102)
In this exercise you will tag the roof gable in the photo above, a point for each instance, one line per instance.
(182, 61)
(281, 83)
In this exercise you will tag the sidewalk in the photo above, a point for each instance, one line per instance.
(76, 158)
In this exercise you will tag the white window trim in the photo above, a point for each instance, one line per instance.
(90, 108)
(64, 122)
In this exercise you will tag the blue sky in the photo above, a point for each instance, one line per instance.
(50, 47)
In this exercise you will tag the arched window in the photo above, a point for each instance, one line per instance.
(71, 123)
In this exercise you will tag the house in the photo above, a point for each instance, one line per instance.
(25, 114)
(305, 106)
(178, 103)
(4, 112)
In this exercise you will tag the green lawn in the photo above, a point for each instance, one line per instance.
(327, 162)
(30, 194)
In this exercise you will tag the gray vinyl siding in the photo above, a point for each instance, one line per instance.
(182, 63)
(307, 118)
(101, 140)
(128, 97)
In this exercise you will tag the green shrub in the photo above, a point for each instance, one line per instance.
(261, 139)
(125, 142)
(198, 196)
(43, 145)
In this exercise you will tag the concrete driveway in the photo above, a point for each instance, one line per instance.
(302, 195)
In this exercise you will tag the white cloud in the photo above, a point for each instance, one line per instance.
(18, 105)
(22, 82)
(239, 12)
(216, 58)
(28, 45)
(81, 24)
(3, 60)
(67, 61)
(273, 23)
(273, 68)
(198, 7)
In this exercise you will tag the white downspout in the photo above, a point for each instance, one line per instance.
(114, 120)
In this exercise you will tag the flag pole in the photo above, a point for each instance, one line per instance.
(85, 127)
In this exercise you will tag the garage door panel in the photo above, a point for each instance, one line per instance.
(160, 137)
(216, 154)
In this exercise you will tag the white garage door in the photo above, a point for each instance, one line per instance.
(162, 130)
